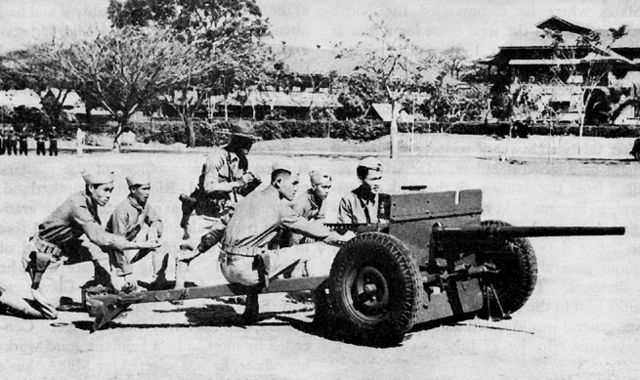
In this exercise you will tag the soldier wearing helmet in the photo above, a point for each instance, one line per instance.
(224, 178)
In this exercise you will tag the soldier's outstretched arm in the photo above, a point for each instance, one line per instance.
(103, 239)
(296, 223)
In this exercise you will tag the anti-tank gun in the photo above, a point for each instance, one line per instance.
(430, 258)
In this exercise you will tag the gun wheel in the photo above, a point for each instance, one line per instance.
(509, 290)
(374, 289)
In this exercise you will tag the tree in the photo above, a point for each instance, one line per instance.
(226, 33)
(208, 24)
(591, 58)
(454, 59)
(393, 65)
(125, 68)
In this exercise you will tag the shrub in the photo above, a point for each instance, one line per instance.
(211, 134)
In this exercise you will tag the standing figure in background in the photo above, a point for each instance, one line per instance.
(3, 141)
(79, 141)
(24, 148)
(53, 142)
(40, 148)
(12, 142)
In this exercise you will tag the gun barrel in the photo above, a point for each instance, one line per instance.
(495, 231)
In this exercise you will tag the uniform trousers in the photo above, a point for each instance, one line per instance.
(316, 257)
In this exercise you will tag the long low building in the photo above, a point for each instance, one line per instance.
(558, 75)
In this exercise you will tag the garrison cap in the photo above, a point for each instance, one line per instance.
(370, 163)
(97, 177)
(317, 177)
(285, 165)
(136, 180)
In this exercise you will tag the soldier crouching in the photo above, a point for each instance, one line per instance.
(136, 220)
(245, 256)
(71, 233)
(310, 204)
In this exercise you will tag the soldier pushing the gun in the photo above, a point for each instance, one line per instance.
(309, 204)
(206, 211)
(71, 233)
(246, 256)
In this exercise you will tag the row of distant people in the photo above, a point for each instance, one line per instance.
(12, 142)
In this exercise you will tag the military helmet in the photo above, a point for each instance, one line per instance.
(243, 128)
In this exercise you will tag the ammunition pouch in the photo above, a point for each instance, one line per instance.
(37, 257)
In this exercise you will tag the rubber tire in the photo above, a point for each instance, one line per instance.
(392, 259)
(516, 261)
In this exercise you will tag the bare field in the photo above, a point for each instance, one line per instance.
(581, 322)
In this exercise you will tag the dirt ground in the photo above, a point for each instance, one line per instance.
(581, 322)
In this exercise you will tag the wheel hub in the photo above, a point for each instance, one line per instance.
(370, 291)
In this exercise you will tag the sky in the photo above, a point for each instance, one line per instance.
(479, 26)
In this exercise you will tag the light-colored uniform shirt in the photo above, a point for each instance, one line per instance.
(308, 205)
(220, 167)
(76, 216)
(127, 220)
(129, 217)
(259, 217)
(360, 206)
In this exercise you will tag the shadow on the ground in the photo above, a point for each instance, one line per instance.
(210, 315)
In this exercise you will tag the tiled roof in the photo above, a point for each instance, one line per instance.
(281, 99)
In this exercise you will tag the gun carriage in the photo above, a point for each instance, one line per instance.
(431, 258)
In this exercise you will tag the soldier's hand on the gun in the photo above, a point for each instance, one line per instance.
(335, 238)
(348, 235)
(150, 244)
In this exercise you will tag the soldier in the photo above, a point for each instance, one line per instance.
(11, 142)
(361, 205)
(40, 148)
(309, 204)
(3, 140)
(53, 142)
(224, 177)
(246, 257)
(24, 149)
(80, 135)
(137, 220)
(72, 233)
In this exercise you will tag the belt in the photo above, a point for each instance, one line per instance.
(244, 251)
(46, 247)
(261, 262)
